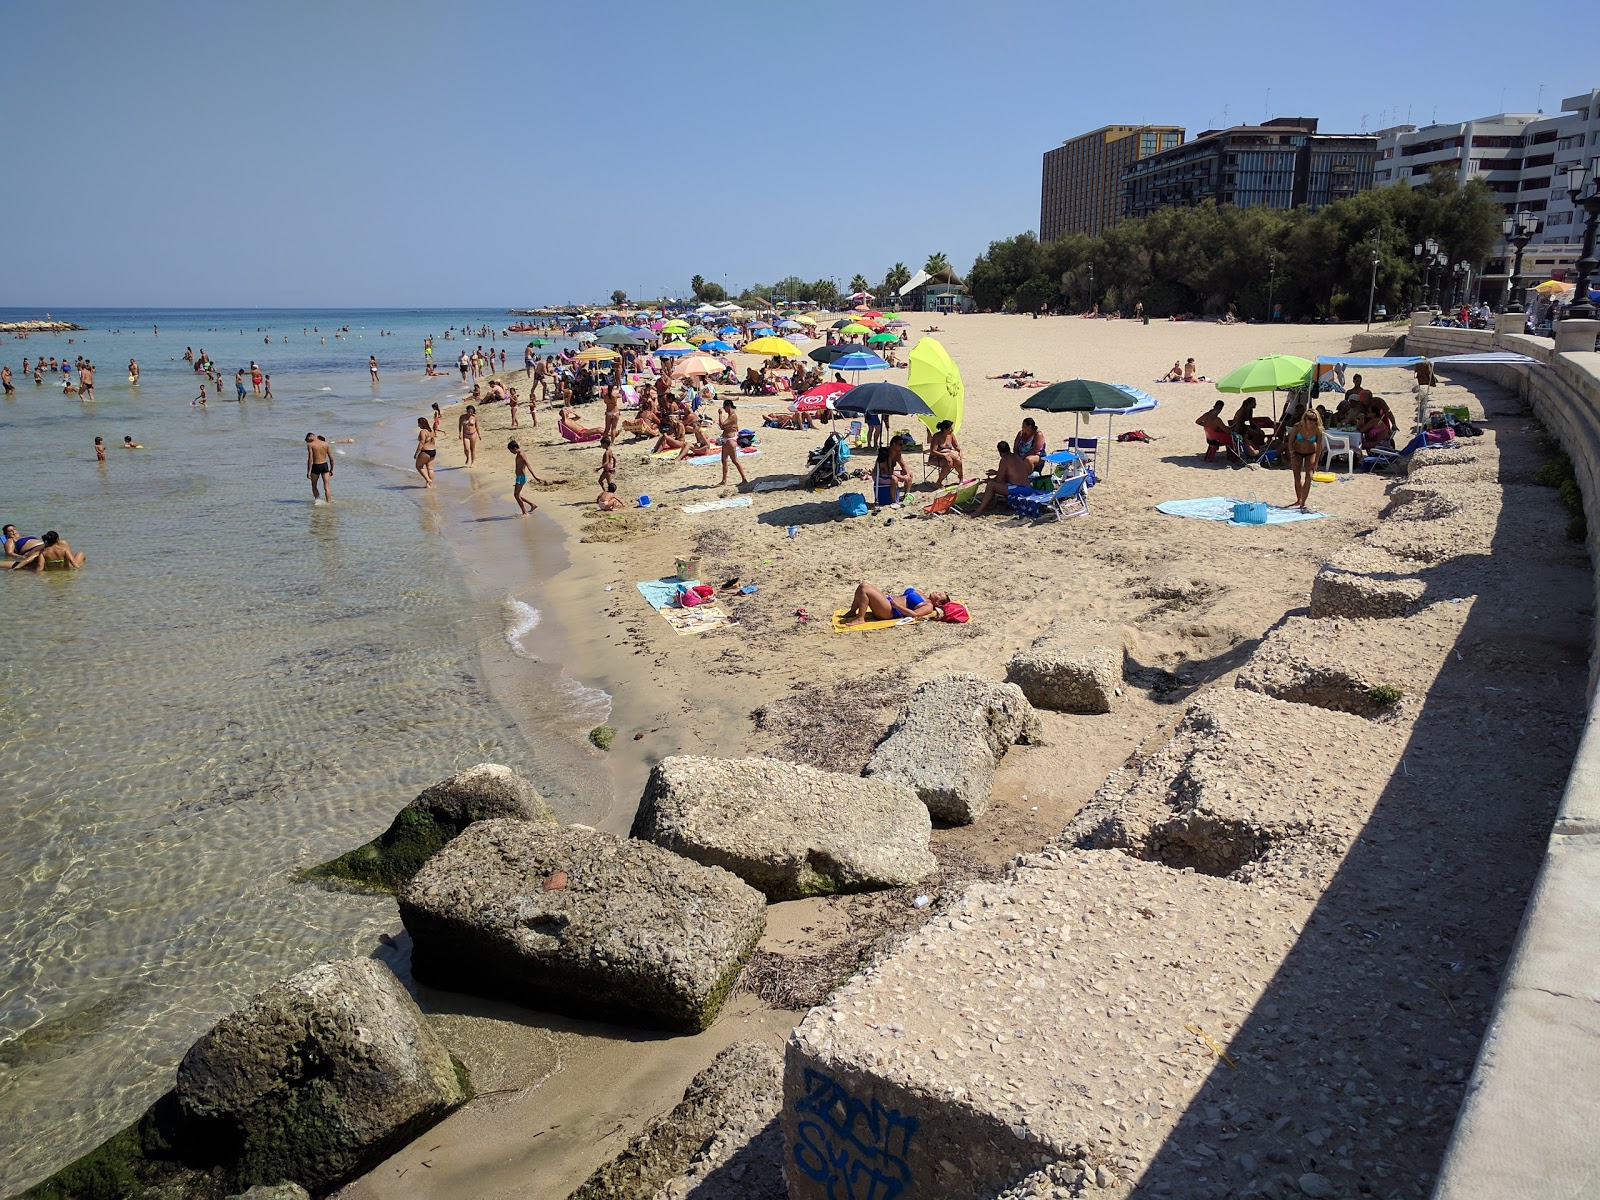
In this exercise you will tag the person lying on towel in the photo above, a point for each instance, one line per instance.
(872, 601)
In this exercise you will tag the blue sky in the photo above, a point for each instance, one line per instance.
(356, 153)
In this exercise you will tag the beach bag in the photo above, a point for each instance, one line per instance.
(1249, 512)
(956, 613)
(1439, 437)
(853, 504)
(746, 438)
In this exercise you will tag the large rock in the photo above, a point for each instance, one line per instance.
(723, 1133)
(1362, 581)
(571, 919)
(948, 738)
(786, 829)
(1075, 667)
(316, 1079)
(422, 828)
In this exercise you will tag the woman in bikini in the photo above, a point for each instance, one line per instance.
(438, 419)
(468, 425)
(872, 601)
(427, 450)
(1029, 443)
(944, 450)
(728, 423)
(671, 434)
(1305, 449)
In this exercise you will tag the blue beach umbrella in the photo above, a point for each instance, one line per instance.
(727, 331)
(719, 347)
(859, 360)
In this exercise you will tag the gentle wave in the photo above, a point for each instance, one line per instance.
(521, 620)
(590, 705)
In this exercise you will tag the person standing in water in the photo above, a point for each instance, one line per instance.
(372, 367)
(5, 377)
(86, 381)
(524, 470)
(467, 426)
(427, 450)
(319, 466)
(133, 372)
(100, 449)
(728, 422)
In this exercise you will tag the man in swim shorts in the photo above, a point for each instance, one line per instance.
(319, 466)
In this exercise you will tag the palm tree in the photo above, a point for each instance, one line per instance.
(697, 285)
(936, 263)
(899, 275)
(858, 284)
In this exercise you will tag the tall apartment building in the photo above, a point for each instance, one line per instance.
(1523, 159)
(1082, 188)
(1283, 163)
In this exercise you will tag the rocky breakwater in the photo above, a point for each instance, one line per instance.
(315, 1080)
(422, 828)
(23, 328)
(789, 830)
(572, 920)
(947, 740)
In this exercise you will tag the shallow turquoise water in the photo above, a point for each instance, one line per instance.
(238, 684)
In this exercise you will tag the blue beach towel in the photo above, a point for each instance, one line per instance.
(660, 593)
(1220, 508)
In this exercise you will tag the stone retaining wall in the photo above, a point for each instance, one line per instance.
(1526, 1127)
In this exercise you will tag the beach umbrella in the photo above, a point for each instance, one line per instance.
(824, 392)
(597, 354)
(887, 316)
(675, 326)
(807, 319)
(619, 335)
(537, 342)
(826, 354)
(719, 346)
(727, 331)
(856, 359)
(698, 364)
(854, 327)
(1077, 396)
(673, 349)
(842, 322)
(586, 336)
(1274, 372)
(934, 376)
(895, 324)
(701, 338)
(882, 339)
(884, 399)
(790, 325)
(781, 347)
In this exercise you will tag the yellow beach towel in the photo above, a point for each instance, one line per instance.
(869, 625)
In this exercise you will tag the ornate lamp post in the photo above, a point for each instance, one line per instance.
(1582, 308)
(1272, 282)
(1518, 229)
(1463, 275)
(1372, 288)
(1416, 253)
(1440, 261)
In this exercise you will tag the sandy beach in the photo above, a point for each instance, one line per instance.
(1195, 597)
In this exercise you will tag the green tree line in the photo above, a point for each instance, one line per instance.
(1212, 257)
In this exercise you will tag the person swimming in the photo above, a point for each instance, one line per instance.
(51, 551)
(19, 544)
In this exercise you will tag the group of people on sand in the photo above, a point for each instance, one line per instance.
(1299, 438)
(1184, 372)
(47, 552)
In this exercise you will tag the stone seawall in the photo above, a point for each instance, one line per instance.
(1527, 1122)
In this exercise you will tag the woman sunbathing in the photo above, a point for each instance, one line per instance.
(671, 435)
(871, 600)
(569, 418)
(1175, 375)
(694, 441)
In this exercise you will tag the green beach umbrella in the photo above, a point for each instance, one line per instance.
(1077, 396)
(1273, 372)
(880, 339)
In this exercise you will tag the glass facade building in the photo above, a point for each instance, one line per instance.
(1081, 190)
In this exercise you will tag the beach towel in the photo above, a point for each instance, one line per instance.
(776, 483)
(711, 460)
(704, 506)
(660, 594)
(1220, 508)
(870, 624)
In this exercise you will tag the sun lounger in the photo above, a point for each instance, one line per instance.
(1070, 499)
(569, 434)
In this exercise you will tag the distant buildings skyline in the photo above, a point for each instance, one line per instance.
(1082, 187)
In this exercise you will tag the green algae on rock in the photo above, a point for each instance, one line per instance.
(428, 823)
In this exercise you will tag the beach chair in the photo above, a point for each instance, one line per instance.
(964, 492)
(1089, 447)
(1069, 499)
(1377, 459)
(828, 471)
(569, 434)
(1336, 445)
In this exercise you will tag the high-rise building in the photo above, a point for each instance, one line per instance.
(1284, 163)
(1082, 188)
(1522, 158)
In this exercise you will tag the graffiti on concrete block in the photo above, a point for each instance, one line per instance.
(856, 1151)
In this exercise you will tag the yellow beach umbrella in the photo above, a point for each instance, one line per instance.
(675, 326)
(597, 354)
(807, 319)
(703, 337)
(1553, 287)
(934, 376)
(781, 347)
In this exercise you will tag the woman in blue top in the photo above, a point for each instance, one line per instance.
(18, 544)
(871, 600)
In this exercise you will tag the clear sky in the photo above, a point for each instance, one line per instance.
(345, 152)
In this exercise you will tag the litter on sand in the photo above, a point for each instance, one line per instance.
(1220, 508)
(704, 506)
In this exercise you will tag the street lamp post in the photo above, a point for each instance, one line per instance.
(1518, 229)
(1582, 308)
(1091, 285)
(1372, 289)
(1272, 282)
(1458, 291)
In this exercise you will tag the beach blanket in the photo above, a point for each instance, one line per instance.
(711, 460)
(1220, 508)
(869, 625)
(659, 595)
(704, 506)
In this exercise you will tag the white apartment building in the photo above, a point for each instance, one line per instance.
(1523, 158)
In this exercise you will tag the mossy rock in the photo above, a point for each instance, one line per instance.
(135, 1161)
(602, 736)
(426, 825)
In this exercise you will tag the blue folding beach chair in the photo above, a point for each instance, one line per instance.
(1069, 499)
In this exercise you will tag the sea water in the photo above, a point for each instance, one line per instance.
(240, 684)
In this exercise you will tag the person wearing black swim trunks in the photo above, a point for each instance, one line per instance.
(427, 450)
(319, 467)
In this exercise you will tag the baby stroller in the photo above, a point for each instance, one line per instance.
(827, 464)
